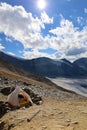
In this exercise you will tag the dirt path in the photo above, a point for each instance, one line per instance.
(53, 115)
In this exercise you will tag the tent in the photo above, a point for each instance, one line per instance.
(18, 97)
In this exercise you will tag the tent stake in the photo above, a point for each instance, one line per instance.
(28, 120)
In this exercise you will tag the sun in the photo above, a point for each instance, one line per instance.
(41, 4)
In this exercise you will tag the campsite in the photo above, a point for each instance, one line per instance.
(57, 110)
(43, 64)
(32, 102)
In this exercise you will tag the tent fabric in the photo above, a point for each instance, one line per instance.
(14, 100)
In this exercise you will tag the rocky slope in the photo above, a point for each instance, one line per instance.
(60, 110)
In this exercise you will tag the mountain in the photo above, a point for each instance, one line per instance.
(82, 63)
(48, 67)
(8, 70)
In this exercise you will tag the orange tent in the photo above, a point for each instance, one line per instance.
(18, 97)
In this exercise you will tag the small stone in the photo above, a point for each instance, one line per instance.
(2, 125)
(52, 114)
(54, 109)
(10, 126)
(28, 120)
(60, 112)
(74, 122)
(40, 102)
(68, 120)
(84, 112)
(44, 127)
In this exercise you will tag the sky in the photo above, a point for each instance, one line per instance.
(44, 28)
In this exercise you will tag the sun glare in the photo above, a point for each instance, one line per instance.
(41, 4)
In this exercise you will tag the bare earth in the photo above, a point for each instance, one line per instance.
(53, 115)
(61, 110)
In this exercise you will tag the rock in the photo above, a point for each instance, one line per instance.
(2, 125)
(28, 120)
(71, 122)
(74, 122)
(6, 90)
(39, 102)
(10, 126)
(84, 112)
(68, 120)
(54, 108)
(35, 97)
(26, 84)
(4, 108)
(44, 127)
(60, 112)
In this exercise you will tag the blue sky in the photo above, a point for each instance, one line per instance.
(58, 30)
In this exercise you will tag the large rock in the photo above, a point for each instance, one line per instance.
(35, 97)
(4, 108)
(6, 90)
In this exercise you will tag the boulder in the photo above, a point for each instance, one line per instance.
(6, 90)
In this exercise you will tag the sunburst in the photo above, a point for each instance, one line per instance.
(41, 4)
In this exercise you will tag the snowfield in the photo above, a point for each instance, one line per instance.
(76, 85)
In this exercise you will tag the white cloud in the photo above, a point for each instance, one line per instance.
(69, 40)
(1, 47)
(22, 26)
(80, 20)
(34, 54)
(45, 18)
(11, 53)
(8, 39)
(85, 10)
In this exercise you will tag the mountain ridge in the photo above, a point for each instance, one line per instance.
(48, 67)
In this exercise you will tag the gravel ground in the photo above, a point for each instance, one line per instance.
(41, 91)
